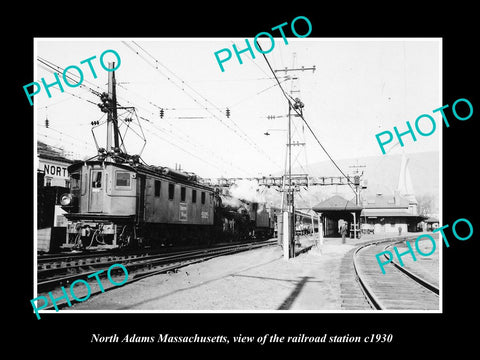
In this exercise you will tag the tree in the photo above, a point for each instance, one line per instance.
(427, 204)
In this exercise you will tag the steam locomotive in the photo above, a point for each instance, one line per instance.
(117, 201)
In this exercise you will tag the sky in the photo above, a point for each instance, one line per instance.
(359, 88)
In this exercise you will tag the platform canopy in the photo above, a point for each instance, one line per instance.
(386, 213)
(336, 203)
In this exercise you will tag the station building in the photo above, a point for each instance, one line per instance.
(390, 213)
(375, 213)
(52, 182)
(53, 164)
(336, 210)
(430, 223)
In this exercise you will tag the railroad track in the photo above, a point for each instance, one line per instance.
(139, 267)
(62, 260)
(398, 288)
(67, 264)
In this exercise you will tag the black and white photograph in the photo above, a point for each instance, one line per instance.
(260, 188)
(237, 189)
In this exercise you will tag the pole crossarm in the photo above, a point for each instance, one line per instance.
(279, 181)
(297, 69)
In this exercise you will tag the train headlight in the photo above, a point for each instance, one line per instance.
(66, 199)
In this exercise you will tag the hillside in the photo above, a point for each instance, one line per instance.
(381, 174)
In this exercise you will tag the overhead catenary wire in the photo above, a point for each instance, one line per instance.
(256, 94)
(181, 148)
(53, 68)
(182, 85)
(182, 136)
(58, 68)
(54, 139)
(65, 134)
(289, 100)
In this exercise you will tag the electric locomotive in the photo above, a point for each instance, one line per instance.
(117, 201)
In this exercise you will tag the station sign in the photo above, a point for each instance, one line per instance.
(56, 172)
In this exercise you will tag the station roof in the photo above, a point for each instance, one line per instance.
(336, 203)
(380, 213)
(381, 201)
(383, 213)
(47, 152)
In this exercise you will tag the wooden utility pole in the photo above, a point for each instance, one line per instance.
(289, 211)
(356, 181)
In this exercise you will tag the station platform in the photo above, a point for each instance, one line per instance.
(259, 280)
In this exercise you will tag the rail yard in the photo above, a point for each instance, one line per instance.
(117, 234)
(254, 277)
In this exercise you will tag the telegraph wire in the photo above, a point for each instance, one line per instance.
(181, 87)
(256, 94)
(225, 162)
(51, 67)
(181, 148)
(62, 140)
(57, 69)
(242, 135)
(186, 138)
(289, 99)
(65, 134)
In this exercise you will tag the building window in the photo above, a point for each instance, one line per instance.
(48, 181)
(203, 197)
(194, 196)
(96, 179)
(157, 188)
(183, 193)
(75, 181)
(122, 179)
(171, 191)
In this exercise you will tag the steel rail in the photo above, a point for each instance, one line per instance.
(411, 274)
(207, 255)
(374, 302)
(367, 290)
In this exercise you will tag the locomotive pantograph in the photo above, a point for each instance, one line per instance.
(116, 200)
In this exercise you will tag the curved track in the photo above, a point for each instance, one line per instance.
(398, 288)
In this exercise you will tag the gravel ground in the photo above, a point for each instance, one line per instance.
(255, 280)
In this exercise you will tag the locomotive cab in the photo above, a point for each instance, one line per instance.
(101, 204)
